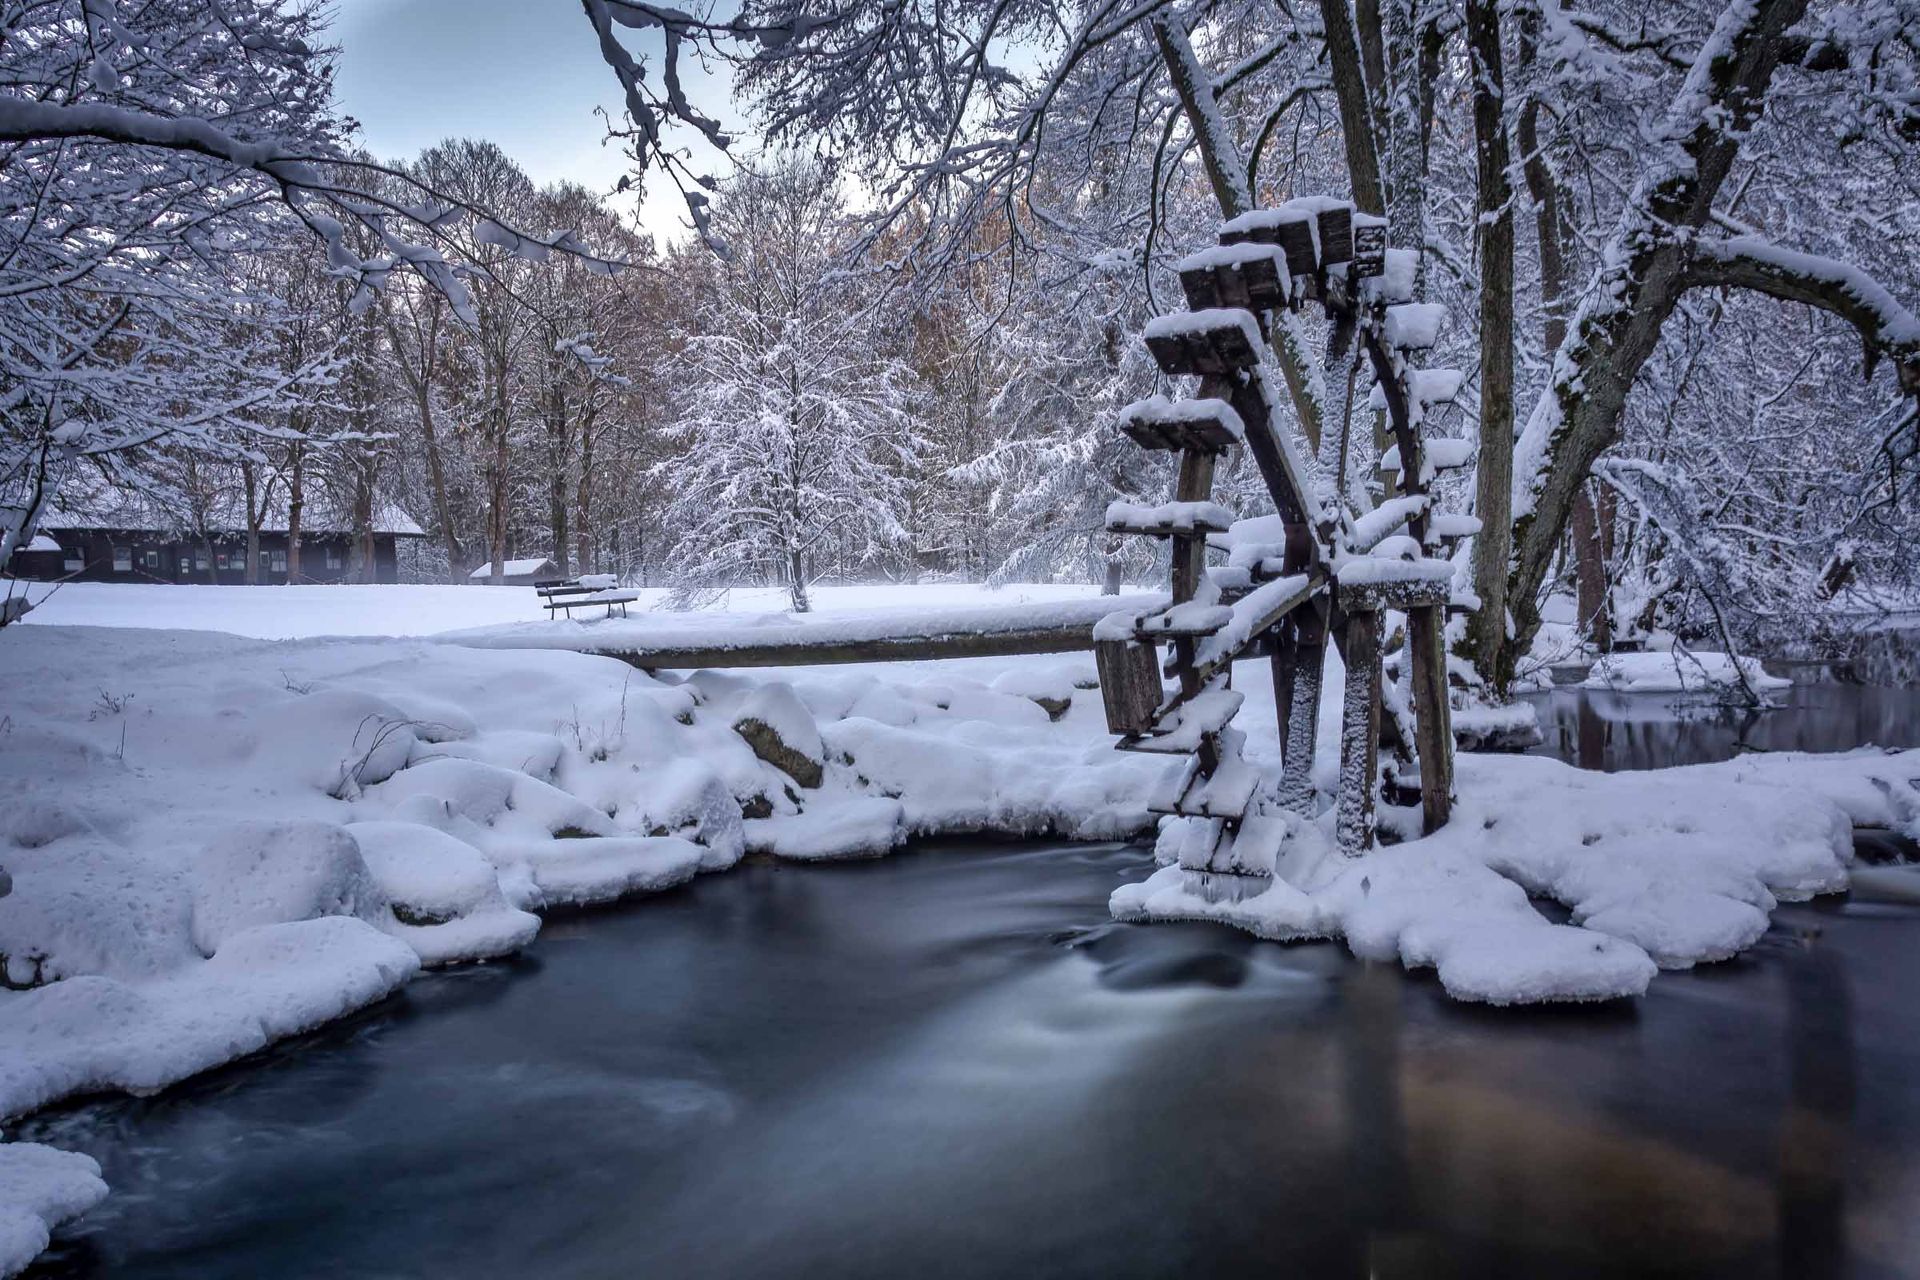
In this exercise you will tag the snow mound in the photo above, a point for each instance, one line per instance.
(687, 798)
(257, 873)
(1676, 672)
(40, 1188)
(90, 1033)
(446, 898)
(780, 729)
(586, 872)
(1659, 870)
(867, 827)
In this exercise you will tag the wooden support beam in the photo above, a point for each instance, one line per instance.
(1359, 734)
(1301, 721)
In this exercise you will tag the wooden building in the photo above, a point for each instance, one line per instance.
(128, 538)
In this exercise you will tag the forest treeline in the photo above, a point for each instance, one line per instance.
(891, 342)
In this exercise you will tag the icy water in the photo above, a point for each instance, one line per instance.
(1597, 729)
(949, 1064)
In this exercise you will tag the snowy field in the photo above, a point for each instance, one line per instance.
(286, 613)
(220, 840)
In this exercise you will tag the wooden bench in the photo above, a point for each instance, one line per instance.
(568, 594)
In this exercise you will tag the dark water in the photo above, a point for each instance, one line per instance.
(1598, 729)
(949, 1064)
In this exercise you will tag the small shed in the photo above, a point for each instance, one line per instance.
(517, 573)
(40, 559)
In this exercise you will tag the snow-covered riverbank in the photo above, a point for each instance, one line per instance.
(217, 842)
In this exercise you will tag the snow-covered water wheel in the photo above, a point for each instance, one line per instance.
(1331, 573)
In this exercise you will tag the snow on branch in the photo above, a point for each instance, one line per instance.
(1750, 262)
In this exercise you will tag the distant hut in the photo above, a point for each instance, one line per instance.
(518, 573)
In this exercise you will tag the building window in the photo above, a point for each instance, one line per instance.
(123, 560)
(220, 559)
(151, 559)
(277, 561)
(76, 560)
(333, 556)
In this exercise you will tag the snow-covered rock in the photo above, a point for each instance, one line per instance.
(445, 895)
(781, 731)
(863, 828)
(257, 873)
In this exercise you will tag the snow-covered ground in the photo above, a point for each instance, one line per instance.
(284, 613)
(217, 841)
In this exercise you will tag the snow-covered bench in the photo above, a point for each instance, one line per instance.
(587, 590)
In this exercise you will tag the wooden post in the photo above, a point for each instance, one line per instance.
(1359, 732)
(1189, 565)
(1432, 715)
(1302, 717)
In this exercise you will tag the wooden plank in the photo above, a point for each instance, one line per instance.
(1130, 684)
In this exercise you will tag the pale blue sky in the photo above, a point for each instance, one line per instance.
(525, 74)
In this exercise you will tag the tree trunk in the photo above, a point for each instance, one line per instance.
(1355, 96)
(296, 504)
(1493, 479)
(557, 474)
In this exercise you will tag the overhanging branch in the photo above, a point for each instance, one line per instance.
(1747, 262)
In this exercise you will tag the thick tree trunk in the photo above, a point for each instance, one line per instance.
(1493, 479)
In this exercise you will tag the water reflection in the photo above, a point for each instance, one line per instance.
(1602, 729)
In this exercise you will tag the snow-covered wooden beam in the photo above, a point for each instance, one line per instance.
(892, 636)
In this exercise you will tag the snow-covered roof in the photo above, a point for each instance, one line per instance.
(41, 542)
(113, 507)
(513, 568)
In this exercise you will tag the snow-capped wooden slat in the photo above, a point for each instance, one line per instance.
(1444, 453)
(1315, 231)
(1385, 520)
(1372, 582)
(1130, 685)
(1187, 620)
(1169, 519)
(1394, 285)
(1226, 793)
(1217, 340)
(1252, 615)
(1425, 387)
(1237, 275)
(1414, 326)
(1183, 730)
(1202, 423)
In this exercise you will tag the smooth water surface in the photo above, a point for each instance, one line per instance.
(950, 1064)
(1599, 729)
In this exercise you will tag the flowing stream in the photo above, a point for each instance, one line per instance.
(950, 1063)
